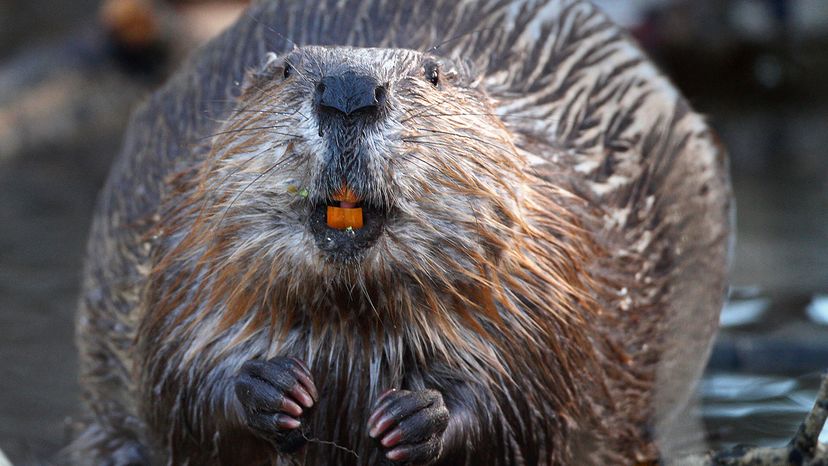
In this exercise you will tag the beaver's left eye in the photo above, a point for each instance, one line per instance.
(288, 71)
(432, 73)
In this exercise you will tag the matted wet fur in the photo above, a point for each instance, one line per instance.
(543, 256)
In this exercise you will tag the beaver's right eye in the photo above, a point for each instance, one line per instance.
(432, 73)
(288, 71)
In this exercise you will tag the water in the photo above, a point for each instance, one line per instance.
(740, 408)
(764, 371)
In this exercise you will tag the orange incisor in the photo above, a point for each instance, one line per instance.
(347, 215)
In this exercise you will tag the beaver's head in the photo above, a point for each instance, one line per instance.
(411, 136)
(458, 232)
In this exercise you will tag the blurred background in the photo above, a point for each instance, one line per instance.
(71, 70)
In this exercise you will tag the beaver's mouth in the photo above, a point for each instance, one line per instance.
(338, 234)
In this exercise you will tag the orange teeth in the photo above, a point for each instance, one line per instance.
(343, 218)
(347, 215)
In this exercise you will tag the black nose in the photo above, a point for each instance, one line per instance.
(350, 93)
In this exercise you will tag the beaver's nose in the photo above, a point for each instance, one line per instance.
(350, 93)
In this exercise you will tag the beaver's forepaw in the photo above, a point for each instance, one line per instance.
(409, 425)
(275, 395)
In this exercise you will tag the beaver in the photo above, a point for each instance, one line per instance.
(535, 277)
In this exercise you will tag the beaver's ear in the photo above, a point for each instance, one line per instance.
(462, 70)
(271, 66)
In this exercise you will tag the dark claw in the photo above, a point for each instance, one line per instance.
(274, 395)
(423, 453)
(409, 425)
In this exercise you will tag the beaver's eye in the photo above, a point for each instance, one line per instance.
(432, 73)
(288, 71)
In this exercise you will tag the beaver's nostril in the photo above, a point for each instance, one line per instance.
(349, 93)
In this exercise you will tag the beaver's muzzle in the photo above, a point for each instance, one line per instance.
(346, 103)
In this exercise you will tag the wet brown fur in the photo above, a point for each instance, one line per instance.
(508, 310)
(499, 281)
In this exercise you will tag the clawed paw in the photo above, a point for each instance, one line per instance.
(409, 425)
(275, 395)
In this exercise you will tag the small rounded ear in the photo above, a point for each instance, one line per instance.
(461, 69)
(269, 68)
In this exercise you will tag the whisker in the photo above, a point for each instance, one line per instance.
(279, 163)
(364, 290)
(417, 158)
(273, 30)
(299, 72)
(409, 113)
(318, 65)
(445, 115)
(257, 128)
(489, 114)
(264, 112)
(435, 47)
(427, 142)
(465, 136)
